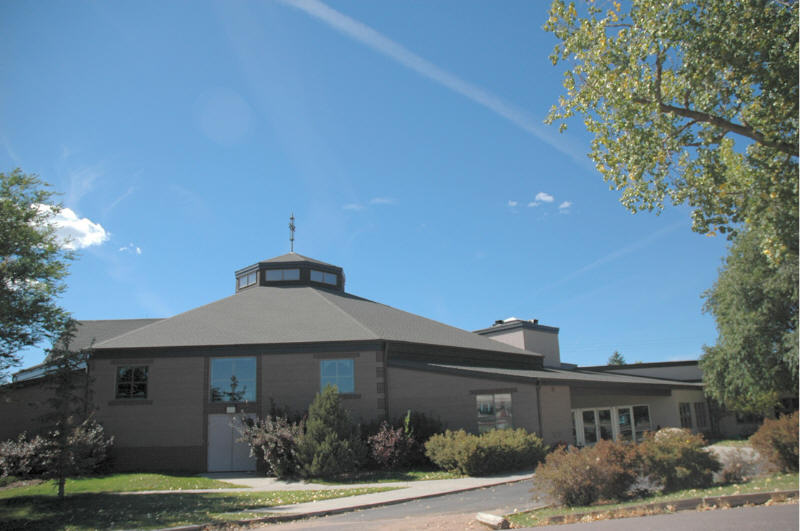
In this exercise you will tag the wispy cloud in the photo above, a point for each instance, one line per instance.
(75, 232)
(395, 51)
(563, 208)
(381, 201)
(119, 199)
(81, 181)
(131, 248)
(533, 204)
(512, 204)
(615, 255)
(544, 197)
(353, 206)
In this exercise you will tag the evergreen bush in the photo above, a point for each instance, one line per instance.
(331, 444)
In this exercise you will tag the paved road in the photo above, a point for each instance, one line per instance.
(774, 518)
(453, 511)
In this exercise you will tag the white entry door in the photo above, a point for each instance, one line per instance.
(225, 452)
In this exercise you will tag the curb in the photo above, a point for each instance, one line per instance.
(208, 526)
(733, 500)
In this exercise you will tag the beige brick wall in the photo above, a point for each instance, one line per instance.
(451, 399)
(172, 415)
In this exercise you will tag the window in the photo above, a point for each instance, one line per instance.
(233, 379)
(494, 412)
(338, 373)
(321, 276)
(132, 382)
(685, 412)
(641, 421)
(282, 274)
(620, 423)
(700, 416)
(248, 279)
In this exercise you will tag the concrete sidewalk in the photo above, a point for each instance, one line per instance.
(407, 491)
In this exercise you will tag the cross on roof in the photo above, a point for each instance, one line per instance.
(291, 233)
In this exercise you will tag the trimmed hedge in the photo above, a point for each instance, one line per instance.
(492, 452)
(777, 441)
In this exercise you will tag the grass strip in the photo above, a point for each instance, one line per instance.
(384, 476)
(542, 516)
(118, 483)
(150, 511)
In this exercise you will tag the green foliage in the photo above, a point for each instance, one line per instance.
(489, 453)
(695, 102)
(754, 302)
(24, 457)
(616, 359)
(276, 440)
(678, 459)
(575, 477)
(777, 441)
(32, 265)
(331, 444)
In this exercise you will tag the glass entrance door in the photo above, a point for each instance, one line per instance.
(624, 424)
(604, 425)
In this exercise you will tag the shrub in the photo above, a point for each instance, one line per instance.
(391, 448)
(331, 444)
(90, 451)
(25, 457)
(490, 453)
(777, 441)
(420, 428)
(606, 470)
(274, 439)
(678, 459)
(86, 451)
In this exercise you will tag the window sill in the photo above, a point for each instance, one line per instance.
(130, 402)
(345, 396)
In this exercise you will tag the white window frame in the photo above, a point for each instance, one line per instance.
(577, 423)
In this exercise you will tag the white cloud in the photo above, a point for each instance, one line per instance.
(395, 51)
(565, 205)
(75, 232)
(381, 201)
(544, 197)
(512, 204)
(353, 206)
(131, 248)
(534, 204)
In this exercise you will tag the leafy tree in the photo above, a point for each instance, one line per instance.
(32, 266)
(331, 444)
(690, 101)
(616, 359)
(754, 302)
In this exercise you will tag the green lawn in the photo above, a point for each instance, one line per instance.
(147, 511)
(118, 483)
(387, 476)
(766, 484)
(739, 443)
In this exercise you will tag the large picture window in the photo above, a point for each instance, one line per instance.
(132, 382)
(338, 373)
(322, 276)
(282, 274)
(494, 412)
(233, 380)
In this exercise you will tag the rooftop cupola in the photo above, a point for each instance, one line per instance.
(291, 269)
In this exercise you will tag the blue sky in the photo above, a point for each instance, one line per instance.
(407, 138)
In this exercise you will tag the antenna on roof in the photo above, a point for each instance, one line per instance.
(291, 233)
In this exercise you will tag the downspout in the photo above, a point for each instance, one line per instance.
(386, 378)
(539, 407)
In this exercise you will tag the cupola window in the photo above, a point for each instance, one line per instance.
(322, 276)
(248, 279)
(282, 274)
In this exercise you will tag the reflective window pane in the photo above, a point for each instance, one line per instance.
(273, 274)
(604, 424)
(339, 373)
(316, 276)
(291, 274)
(589, 427)
(641, 421)
(233, 380)
(625, 425)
